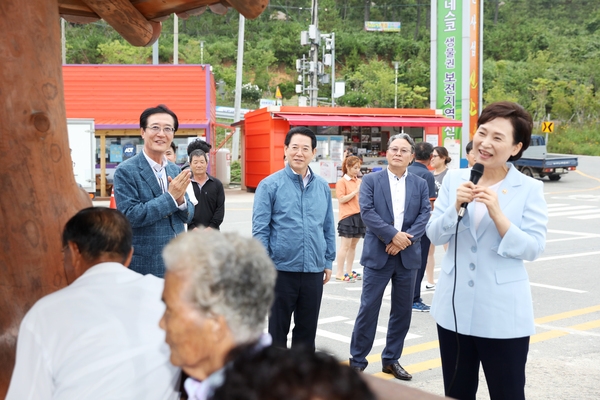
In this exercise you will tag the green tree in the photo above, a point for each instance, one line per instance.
(117, 52)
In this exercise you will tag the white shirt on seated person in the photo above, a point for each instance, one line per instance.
(97, 338)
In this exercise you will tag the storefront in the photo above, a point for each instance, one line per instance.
(114, 96)
(365, 131)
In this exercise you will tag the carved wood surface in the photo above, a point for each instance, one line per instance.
(39, 193)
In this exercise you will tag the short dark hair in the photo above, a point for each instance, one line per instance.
(423, 150)
(174, 147)
(301, 130)
(159, 109)
(98, 231)
(198, 153)
(299, 373)
(443, 152)
(519, 118)
(469, 147)
(198, 144)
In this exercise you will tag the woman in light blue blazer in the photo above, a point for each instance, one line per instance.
(482, 304)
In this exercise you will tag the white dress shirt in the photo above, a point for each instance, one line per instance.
(160, 172)
(398, 190)
(98, 338)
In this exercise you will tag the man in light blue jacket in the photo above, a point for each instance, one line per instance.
(293, 219)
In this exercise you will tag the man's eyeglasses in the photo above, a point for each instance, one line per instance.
(295, 149)
(396, 150)
(155, 129)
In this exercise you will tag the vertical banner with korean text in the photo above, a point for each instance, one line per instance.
(449, 67)
(474, 65)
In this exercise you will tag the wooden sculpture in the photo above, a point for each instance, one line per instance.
(39, 193)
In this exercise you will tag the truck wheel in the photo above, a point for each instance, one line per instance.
(554, 177)
(527, 171)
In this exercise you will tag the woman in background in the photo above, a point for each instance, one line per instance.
(351, 227)
(482, 304)
(439, 162)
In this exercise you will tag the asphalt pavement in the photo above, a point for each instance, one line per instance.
(564, 356)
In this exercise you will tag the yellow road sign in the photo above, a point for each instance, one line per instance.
(278, 93)
(548, 127)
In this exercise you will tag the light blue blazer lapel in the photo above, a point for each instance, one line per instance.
(507, 191)
(384, 181)
(148, 176)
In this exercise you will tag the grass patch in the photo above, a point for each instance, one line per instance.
(571, 139)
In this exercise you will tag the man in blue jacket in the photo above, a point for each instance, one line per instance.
(293, 219)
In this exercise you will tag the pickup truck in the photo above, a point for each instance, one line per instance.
(536, 162)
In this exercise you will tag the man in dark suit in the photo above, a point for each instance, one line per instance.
(394, 205)
(150, 191)
(423, 153)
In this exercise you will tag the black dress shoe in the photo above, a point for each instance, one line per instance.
(397, 370)
(357, 369)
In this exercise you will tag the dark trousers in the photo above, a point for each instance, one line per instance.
(425, 243)
(503, 363)
(297, 293)
(374, 283)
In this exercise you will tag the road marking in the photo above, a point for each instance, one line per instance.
(581, 330)
(557, 288)
(334, 336)
(569, 207)
(567, 213)
(571, 232)
(539, 337)
(587, 216)
(552, 205)
(567, 314)
(331, 319)
(592, 253)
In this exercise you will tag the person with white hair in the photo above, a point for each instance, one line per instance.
(217, 298)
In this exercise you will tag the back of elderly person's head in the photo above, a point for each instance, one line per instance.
(232, 277)
(299, 373)
(99, 232)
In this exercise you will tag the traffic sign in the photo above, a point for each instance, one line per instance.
(278, 93)
(548, 127)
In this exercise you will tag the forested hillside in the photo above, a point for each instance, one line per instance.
(542, 53)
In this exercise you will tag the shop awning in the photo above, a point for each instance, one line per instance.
(349, 120)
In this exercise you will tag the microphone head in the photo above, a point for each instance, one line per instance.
(476, 173)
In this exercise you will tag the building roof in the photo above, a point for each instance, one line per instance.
(116, 95)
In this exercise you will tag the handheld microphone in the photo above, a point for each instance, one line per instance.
(476, 173)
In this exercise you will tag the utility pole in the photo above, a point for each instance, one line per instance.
(396, 84)
(235, 142)
(202, 52)
(63, 41)
(175, 39)
(314, 48)
(332, 69)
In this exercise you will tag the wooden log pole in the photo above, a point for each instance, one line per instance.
(39, 193)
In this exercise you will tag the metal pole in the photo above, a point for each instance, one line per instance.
(314, 48)
(63, 41)
(235, 142)
(396, 85)
(332, 69)
(155, 53)
(201, 52)
(175, 39)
